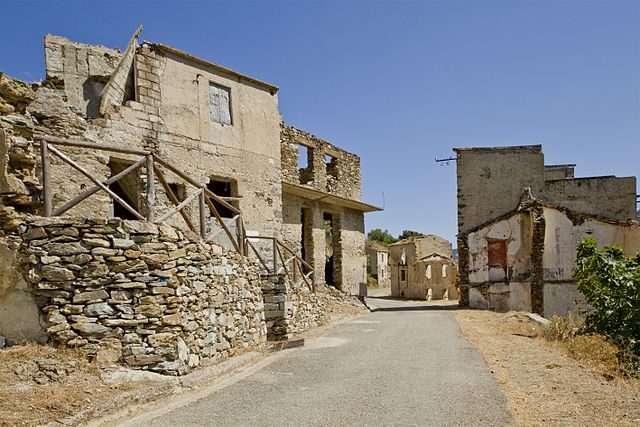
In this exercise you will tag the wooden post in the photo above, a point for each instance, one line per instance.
(240, 235)
(275, 256)
(203, 218)
(151, 191)
(46, 177)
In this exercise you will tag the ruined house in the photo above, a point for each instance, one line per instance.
(378, 262)
(422, 268)
(151, 204)
(520, 221)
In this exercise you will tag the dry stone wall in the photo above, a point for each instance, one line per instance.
(152, 297)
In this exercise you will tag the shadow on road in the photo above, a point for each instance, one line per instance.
(410, 305)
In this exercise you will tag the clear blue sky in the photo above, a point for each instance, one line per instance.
(398, 82)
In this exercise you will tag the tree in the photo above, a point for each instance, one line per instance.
(409, 233)
(383, 237)
(610, 282)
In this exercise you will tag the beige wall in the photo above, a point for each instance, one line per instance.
(19, 312)
(490, 181)
(517, 231)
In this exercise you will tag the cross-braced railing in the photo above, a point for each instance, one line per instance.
(153, 165)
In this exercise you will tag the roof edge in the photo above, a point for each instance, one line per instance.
(272, 88)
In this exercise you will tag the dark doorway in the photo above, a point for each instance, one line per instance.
(329, 264)
(126, 188)
(223, 187)
(306, 239)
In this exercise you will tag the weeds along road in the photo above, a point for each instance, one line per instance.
(406, 363)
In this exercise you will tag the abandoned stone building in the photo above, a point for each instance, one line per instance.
(520, 221)
(422, 268)
(152, 202)
(378, 262)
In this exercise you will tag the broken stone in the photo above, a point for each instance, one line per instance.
(90, 329)
(99, 309)
(90, 296)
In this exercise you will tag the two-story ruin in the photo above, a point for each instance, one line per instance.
(155, 137)
(520, 221)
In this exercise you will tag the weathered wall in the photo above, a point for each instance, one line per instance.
(490, 181)
(379, 266)
(341, 178)
(82, 70)
(19, 313)
(354, 259)
(605, 196)
(150, 296)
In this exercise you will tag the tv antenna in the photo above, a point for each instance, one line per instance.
(446, 161)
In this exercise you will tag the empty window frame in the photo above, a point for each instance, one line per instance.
(444, 270)
(220, 100)
(224, 187)
(403, 275)
(178, 190)
(497, 260)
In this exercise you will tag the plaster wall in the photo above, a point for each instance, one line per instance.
(516, 230)
(490, 181)
(605, 196)
(562, 237)
(19, 313)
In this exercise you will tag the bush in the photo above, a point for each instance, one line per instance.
(610, 282)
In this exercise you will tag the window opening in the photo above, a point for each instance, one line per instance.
(223, 187)
(220, 99)
(126, 188)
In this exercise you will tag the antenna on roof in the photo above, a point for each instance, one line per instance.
(448, 160)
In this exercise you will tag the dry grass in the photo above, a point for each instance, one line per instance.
(552, 382)
(30, 396)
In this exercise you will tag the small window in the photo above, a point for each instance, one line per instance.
(179, 190)
(220, 99)
(428, 273)
(403, 275)
(444, 270)
(224, 187)
(303, 157)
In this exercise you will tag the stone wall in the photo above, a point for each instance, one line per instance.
(340, 176)
(154, 297)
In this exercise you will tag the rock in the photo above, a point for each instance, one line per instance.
(64, 249)
(139, 227)
(102, 243)
(99, 309)
(123, 243)
(129, 266)
(90, 329)
(150, 310)
(164, 339)
(56, 274)
(172, 320)
(35, 233)
(90, 296)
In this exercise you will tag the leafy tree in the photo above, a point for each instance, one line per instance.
(409, 233)
(610, 282)
(383, 237)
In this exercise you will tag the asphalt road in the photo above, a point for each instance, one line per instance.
(404, 364)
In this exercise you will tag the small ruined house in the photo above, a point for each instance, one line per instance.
(520, 222)
(422, 268)
(378, 259)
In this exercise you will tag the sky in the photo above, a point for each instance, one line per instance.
(398, 82)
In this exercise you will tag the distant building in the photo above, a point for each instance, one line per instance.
(423, 268)
(378, 256)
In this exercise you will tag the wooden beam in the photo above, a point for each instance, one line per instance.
(203, 219)
(93, 145)
(103, 187)
(178, 208)
(151, 188)
(221, 222)
(80, 197)
(264, 264)
(46, 178)
(172, 197)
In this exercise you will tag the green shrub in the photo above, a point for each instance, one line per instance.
(610, 282)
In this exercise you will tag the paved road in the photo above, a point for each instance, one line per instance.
(404, 364)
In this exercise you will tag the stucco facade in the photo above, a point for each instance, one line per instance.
(519, 223)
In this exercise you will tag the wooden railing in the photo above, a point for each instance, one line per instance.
(293, 266)
(153, 164)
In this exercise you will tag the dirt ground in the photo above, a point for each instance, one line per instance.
(542, 384)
